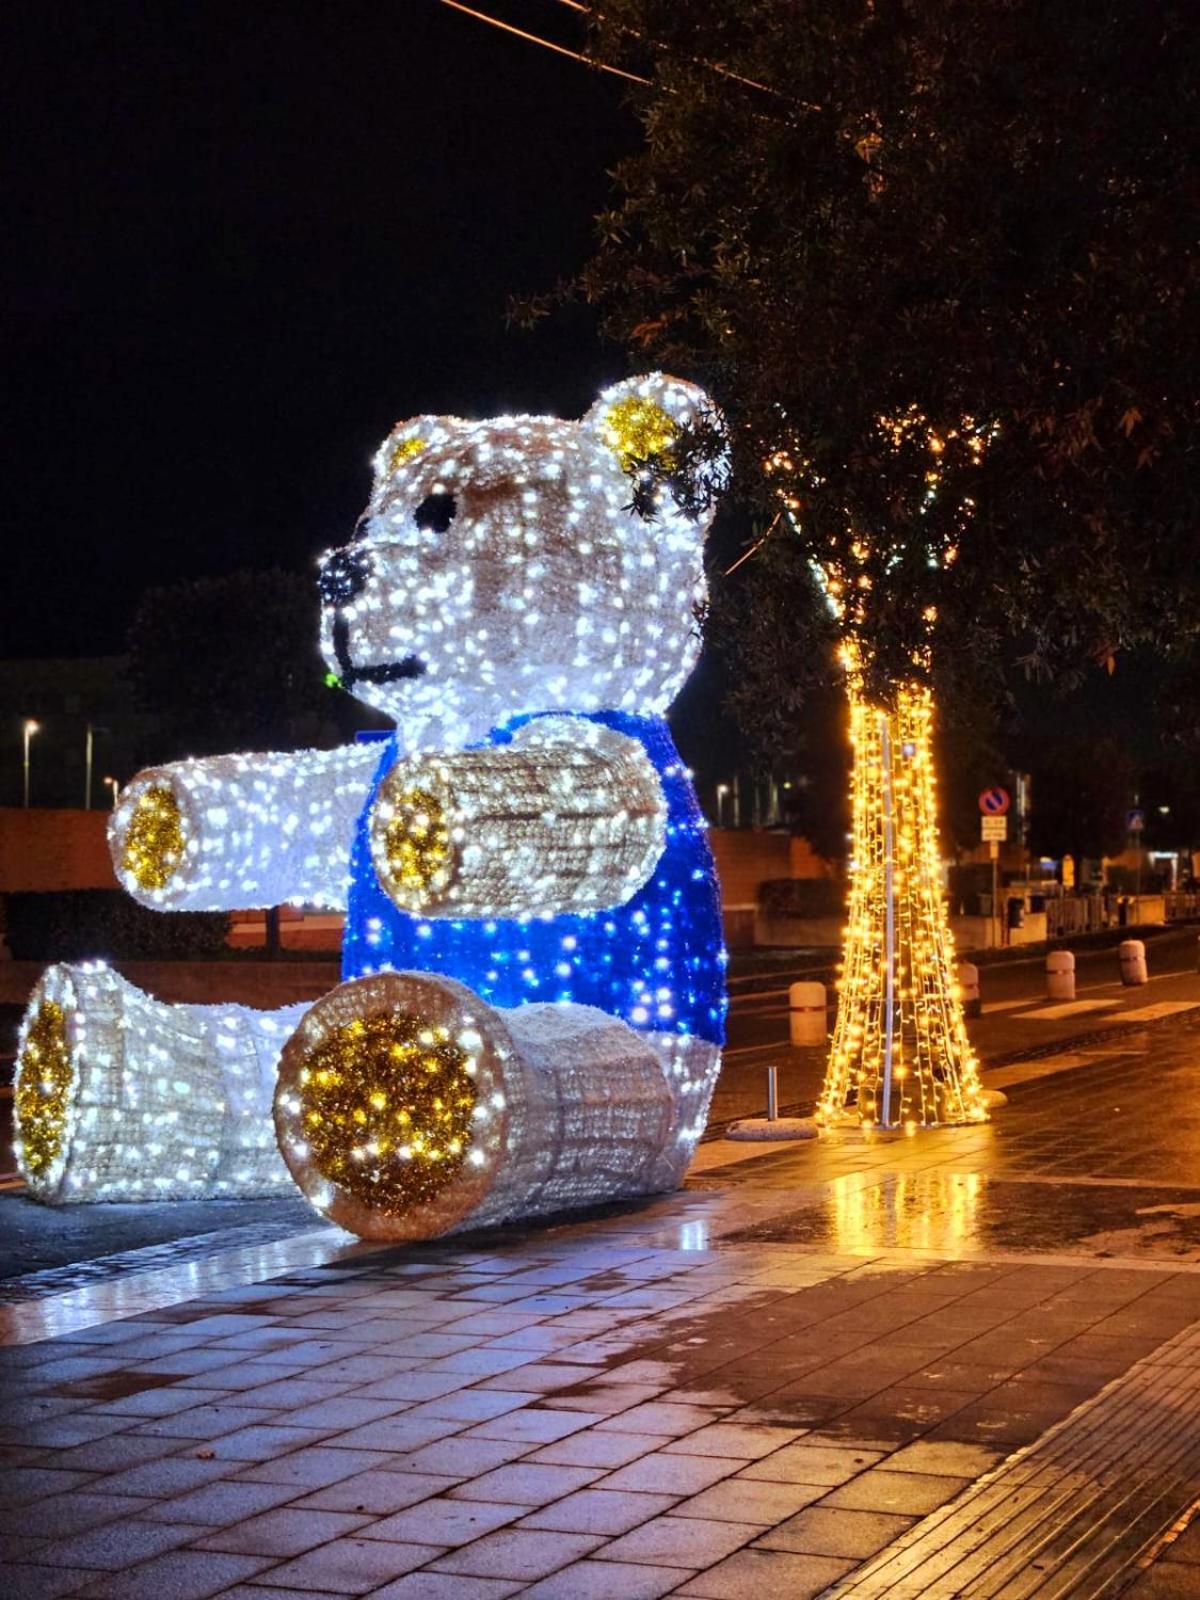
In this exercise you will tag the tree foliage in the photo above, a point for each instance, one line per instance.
(232, 663)
(938, 264)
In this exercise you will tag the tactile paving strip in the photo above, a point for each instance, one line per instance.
(1069, 1515)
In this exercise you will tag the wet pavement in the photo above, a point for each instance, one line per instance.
(809, 1361)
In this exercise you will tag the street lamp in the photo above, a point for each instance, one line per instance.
(722, 791)
(31, 727)
(112, 786)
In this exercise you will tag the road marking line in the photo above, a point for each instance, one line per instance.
(1163, 1008)
(1071, 1008)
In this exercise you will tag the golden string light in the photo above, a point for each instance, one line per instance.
(41, 1094)
(386, 1107)
(154, 839)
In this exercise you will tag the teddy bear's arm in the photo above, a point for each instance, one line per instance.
(569, 817)
(234, 832)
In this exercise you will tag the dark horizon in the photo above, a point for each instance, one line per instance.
(243, 242)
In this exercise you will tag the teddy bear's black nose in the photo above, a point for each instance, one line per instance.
(343, 575)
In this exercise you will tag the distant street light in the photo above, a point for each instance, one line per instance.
(113, 787)
(31, 727)
(722, 791)
(92, 730)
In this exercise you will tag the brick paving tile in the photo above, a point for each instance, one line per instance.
(746, 1440)
(214, 1505)
(116, 1453)
(314, 1467)
(909, 1493)
(440, 1586)
(180, 1575)
(817, 1531)
(378, 1492)
(944, 1458)
(608, 1511)
(80, 1427)
(526, 1483)
(664, 1474)
(116, 1545)
(285, 1532)
(444, 1522)
(166, 1476)
(741, 1500)
(538, 1427)
(21, 1485)
(606, 1580)
(1166, 1580)
(754, 1574)
(419, 1384)
(460, 1458)
(292, 1391)
(599, 1449)
(519, 1553)
(395, 1433)
(605, 1399)
(655, 1417)
(263, 1443)
(343, 1411)
(155, 1402)
(487, 1361)
(348, 1566)
(540, 1376)
(60, 1515)
(680, 1541)
(205, 1422)
(42, 1583)
(1187, 1546)
(810, 1462)
(469, 1405)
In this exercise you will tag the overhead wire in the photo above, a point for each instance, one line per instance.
(548, 44)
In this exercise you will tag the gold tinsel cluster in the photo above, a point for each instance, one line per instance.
(43, 1087)
(638, 430)
(405, 451)
(386, 1107)
(416, 842)
(154, 839)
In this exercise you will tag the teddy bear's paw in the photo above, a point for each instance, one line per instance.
(151, 836)
(390, 1107)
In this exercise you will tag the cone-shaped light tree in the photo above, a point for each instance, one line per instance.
(938, 266)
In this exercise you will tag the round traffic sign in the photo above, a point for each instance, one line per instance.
(994, 802)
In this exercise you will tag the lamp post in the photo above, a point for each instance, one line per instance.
(112, 789)
(31, 727)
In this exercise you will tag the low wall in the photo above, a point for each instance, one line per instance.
(264, 984)
(42, 850)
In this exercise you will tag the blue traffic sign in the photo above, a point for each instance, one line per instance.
(1135, 820)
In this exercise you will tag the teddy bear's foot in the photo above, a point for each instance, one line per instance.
(407, 1107)
(121, 1097)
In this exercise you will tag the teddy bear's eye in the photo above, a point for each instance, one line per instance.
(436, 512)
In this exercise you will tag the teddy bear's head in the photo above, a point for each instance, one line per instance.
(502, 568)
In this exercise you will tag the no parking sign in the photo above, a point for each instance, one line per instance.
(995, 802)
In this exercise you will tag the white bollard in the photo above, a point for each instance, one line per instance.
(968, 989)
(1133, 963)
(1060, 975)
(806, 1013)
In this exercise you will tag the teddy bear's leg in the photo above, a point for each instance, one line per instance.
(122, 1097)
(407, 1107)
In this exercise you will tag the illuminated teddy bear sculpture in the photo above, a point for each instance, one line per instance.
(533, 999)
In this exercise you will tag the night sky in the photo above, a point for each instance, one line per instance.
(242, 238)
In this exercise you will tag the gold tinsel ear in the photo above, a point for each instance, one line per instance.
(404, 450)
(640, 418)
(637, 429)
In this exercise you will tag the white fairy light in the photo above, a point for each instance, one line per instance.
(527, 845)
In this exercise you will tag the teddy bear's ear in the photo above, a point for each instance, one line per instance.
(406, 442)
(639, 419)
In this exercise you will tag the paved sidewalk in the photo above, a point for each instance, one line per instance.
(758, 1386)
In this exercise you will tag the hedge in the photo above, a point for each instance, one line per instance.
(105, 924)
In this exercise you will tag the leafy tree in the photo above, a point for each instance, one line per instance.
(1083, 785)
(938, 264)
(232, 663)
